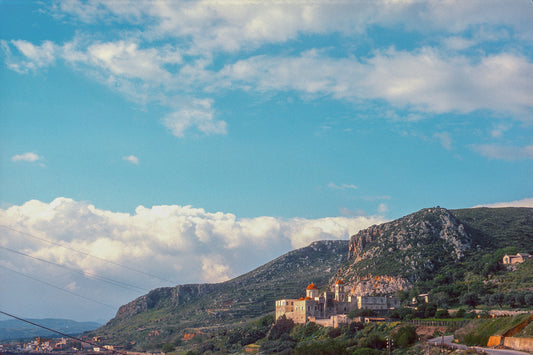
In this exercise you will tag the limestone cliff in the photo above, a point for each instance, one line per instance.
(391, 256)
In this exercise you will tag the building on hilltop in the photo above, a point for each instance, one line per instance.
(331, 307)
(516, 259)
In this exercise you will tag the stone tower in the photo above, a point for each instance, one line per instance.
(339, 291)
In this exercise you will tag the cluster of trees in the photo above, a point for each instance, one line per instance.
(354, 338)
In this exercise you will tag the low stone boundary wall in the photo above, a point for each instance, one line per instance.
(522, 344)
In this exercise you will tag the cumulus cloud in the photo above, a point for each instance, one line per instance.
(502, 152)
(526, 202)
(167, 240)
(27, 157)
(153, 247)
(128, 60)
(198, 114)
(132, 159)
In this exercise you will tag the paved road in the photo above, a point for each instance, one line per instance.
(448, 341)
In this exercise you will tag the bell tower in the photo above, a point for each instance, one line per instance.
(339, 291)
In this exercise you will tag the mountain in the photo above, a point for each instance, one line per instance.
(414, 249)
(394, 255)
(162, 314)
(16, 329)
(446, 253)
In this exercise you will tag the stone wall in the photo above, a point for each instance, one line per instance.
(522, 344)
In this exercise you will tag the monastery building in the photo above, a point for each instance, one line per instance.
(331, 308)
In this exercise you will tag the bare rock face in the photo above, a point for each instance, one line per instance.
(379, 285)
(391, 256)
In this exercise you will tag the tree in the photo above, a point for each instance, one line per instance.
(405, 336)
(497, 299)
(442, 313)
(528, 298)
(327, 348)
(167, 348)
(283, 325)
(470, 299)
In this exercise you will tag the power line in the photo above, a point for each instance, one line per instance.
(83, 273)
(88, 254)
(56, 287)
(60, 333)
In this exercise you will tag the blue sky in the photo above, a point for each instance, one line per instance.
(297, 113)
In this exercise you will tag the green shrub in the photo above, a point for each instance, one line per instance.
(404, 337)
(167, 348)
(329, 347)
(282, 326)
(366, 351)
(442, 313)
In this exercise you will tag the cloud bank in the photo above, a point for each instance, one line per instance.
(181, 244)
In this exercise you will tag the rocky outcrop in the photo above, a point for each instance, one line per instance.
(421, 228)
(392, 256)
(379, 285)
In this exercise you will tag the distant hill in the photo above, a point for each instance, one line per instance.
(164, 313)
(16, 329)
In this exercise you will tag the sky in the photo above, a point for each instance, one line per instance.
(154, 143)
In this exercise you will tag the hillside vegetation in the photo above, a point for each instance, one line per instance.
(164, 314)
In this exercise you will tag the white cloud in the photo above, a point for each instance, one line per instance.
(499, 130)
(232, 25)
(196, 113)
(132, 159)
(332, 185)
(126, 59)
(458, 43)
(213, 270)
(426, 80)
(501, 152)
(526, 202)
(177, 243)
(147, 64)
(382, 208)
(27, 157)
(157, 239)
(29, 57)
(445, 139)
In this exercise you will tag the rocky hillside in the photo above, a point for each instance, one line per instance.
(394, 255)
(164, 313)
(399, 254)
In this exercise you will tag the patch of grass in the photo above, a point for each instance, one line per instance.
(478, 331)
